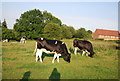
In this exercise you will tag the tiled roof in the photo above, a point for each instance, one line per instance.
(107, 32)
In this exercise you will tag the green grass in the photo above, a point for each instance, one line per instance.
(19, 62)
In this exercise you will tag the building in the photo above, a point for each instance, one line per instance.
(106, 34)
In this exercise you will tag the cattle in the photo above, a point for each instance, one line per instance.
(84, 45)
(23, 39)
(51, 46)
(6, 40)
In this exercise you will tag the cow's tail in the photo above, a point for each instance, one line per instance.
(35, 49)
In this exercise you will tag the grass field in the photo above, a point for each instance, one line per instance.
(19, 62)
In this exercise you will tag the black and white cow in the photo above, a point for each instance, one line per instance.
(84, 45)
(23, 39)
(51, 46)
(5, 40)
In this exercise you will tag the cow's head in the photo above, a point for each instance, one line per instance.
(91, 55)
(75, 43)
(67, 58)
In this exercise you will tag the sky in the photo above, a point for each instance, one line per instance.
(88, 15)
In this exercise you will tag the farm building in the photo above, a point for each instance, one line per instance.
(106, 34)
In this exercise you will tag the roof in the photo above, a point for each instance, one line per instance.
(107, 32)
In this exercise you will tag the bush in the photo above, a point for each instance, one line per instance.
(99, 39)
(52, 31)
(10, 34)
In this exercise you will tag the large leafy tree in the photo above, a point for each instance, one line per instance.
(67, 31)
(52, 31)
(82, 33)
(48, 17)
(30, 22)
(72, 31)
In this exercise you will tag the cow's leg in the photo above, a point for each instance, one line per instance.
(20, 41)
(58, 58)
(83, 52)
(55, 55)
(86, 52)
(75, 50)
(25, 41)
(35, 48)
(39, 53)
(58, 55)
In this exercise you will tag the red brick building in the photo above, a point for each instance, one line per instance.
(106, 34)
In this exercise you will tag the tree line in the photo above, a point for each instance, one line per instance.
(35, 24)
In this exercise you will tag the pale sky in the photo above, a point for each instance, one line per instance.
(89, 15)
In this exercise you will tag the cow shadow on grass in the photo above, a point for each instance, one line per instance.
(55, 75)
(72, 51)
(26, 76)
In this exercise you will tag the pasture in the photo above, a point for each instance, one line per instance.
(18, 62)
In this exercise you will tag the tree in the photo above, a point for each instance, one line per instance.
(67, 31)
(9, 34)
(48, 17)
(82, 33)
(89, 31)
(4, 24)
(30, 22)
(52, 31)
(72, 30)
(79, 33)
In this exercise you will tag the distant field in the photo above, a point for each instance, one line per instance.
(19, 62)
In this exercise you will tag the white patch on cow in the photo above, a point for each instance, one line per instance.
(41, 38)
(55, 42)
(40, 51)
(6, 40)
(22, 40)
(49, 52)
(62, 42)
(59, 54)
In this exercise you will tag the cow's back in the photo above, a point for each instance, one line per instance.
(50, 45)
(82, 44)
